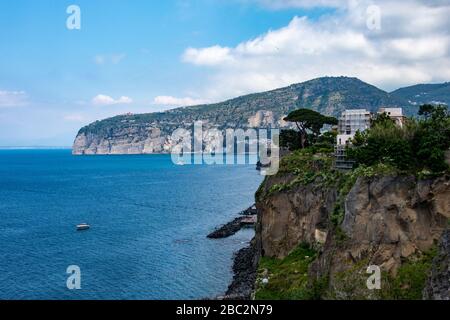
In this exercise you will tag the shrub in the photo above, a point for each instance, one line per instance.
(411, 278)
(418, 145)
(289, 139)
(288, 277)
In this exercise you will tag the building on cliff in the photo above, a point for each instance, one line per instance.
(395, 114)
(352, 121)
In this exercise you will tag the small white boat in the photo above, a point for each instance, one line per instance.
(83, 226)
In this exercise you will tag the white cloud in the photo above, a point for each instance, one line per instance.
(13, 98)
(207, 56)
(177, 102)
(115, 58)
(104, 100)
(412, 46)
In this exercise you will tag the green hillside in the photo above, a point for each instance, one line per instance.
(425, 93)
(328, 95)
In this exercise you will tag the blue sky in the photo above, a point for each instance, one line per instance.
(144, 56)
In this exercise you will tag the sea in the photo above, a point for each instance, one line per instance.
(149, 220)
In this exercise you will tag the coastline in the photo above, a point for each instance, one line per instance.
(245, 260)
(245, 265)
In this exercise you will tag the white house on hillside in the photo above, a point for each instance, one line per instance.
(352, 121)
(395, 114)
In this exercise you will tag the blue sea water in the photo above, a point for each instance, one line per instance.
(149, 220)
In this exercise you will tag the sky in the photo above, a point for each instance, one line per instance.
(147, 55)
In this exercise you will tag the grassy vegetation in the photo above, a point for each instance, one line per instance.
(351, 283)
(408, 284)
(306, 166)
(288, 277)
(411, 278)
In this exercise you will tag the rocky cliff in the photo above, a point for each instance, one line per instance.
(151, 133)
(393, 222)
(437, 287)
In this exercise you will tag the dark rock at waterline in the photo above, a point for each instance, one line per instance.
(232, 227)
(227, 230)
(245, 269)
(245, 263)
(249, 211)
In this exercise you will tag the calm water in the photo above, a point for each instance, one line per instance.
(149, 222)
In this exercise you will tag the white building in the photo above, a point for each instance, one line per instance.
(351, 121)
(395, 114)
(344, 139)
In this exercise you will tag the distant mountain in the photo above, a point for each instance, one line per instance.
(332, 95)
(425, 93)
(150, 133)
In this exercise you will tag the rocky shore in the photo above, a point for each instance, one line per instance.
(227, 230)
(245, 269)
(247, 219)
(245, 261)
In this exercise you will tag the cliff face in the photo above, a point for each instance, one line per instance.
(392, 218)
(129, 140)
(151, 132)
(438, 287)
(289, 218)
(387, 221)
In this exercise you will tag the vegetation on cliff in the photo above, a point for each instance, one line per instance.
(288, 276)
(309, 123)
(418, 146)
(412, 155)
(410, 280)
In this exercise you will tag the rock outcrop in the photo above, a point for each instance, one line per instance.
(289, 218)
(233, 227)
(121, 140)
(438, 285)
(392, 218)
(387, 220)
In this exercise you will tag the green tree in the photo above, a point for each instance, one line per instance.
(433, 137)
(426, 110)
(289, 139)
(418, 145)
(309, 121)
(381, 119)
